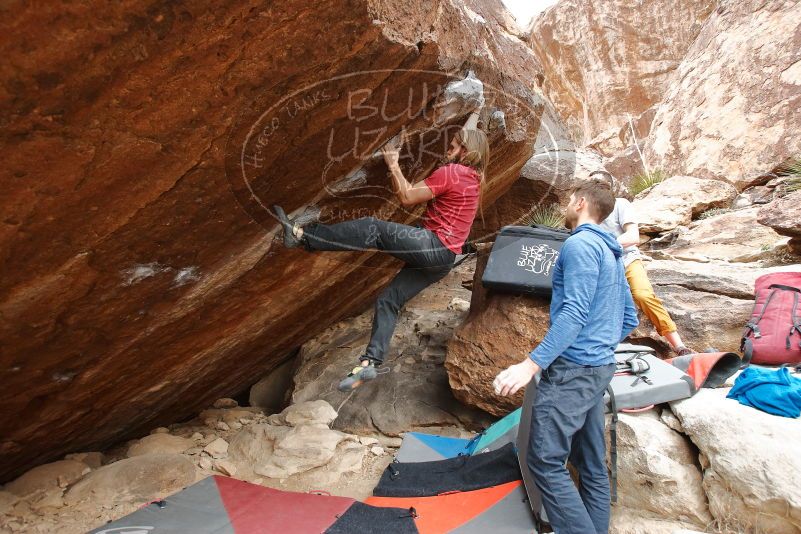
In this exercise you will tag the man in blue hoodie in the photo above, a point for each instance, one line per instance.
(591, 312)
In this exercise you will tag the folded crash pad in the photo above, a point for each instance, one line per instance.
(463, 473)
(501, 509)
(222, 505)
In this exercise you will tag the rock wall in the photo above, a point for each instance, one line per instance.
(733, 109)
(606, 61)
(142, 142)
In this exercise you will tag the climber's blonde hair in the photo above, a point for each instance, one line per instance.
(476, 156)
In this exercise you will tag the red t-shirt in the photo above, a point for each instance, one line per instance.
(451, 212)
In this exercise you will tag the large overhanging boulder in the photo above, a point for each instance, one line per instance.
(135, 288)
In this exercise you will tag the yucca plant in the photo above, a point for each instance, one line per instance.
(792, 170)
(549, 215)
(712, 212)
(644, 180)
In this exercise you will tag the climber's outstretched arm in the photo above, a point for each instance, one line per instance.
(408, 194)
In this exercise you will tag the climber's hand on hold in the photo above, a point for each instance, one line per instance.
(513, 378)
(391, 153)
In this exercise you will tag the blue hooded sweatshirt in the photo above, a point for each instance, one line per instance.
(591, 307)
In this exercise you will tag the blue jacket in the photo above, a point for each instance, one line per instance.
(773, 391)
(591, 307)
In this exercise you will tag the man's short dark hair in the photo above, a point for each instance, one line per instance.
(598, 194)
(606, 175)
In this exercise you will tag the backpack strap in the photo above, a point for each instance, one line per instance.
(796, 323)
(753, 324)
(613, 441)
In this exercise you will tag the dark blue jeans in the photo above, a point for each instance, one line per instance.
(427, 261)
(568, 422)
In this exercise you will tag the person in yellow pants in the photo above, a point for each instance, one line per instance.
(622, 224)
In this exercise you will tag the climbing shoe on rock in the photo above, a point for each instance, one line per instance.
(683, 351)
(357, 377)
(293, 228)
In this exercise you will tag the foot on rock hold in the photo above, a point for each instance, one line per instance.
(293, 228)
(357, 377)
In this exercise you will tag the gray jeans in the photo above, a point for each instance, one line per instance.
(568, 421)
(427, 261)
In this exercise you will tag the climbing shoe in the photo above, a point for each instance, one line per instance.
(357, 377)
(683, 351)
(291, 226)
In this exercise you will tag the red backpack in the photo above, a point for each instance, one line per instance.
(773, 335)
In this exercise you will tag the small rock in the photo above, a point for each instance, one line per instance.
(197, 436)
(138, 479)
(222, 425)
(390, 442)
(409, 360)
(217, 448)
(367, 440)
(235, 425)
(225, 467)
(459, 304)
(193, 451)
(225, 403)
(378, 451)
(160, 430)
(7, 501)
(92, 459)
(309, 413)
(209, 422)
(205, 463)
(160, 443)
(47, 477)
(246, 420)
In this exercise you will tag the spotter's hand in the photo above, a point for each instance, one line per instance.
(510, 380)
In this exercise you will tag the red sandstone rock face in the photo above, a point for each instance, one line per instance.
(138, 277)
(733, 109)
(607, 60)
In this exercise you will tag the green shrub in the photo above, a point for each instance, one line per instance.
(791, 170)
(550, 215)
(712, 212)
(644, 180)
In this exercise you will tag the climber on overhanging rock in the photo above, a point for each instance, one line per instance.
(453, 193)
(622, 224)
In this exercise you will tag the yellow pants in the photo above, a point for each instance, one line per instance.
(646, 299)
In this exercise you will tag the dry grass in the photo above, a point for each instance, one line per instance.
(644, 180)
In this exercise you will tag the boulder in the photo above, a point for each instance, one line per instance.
(783, 215)
(677, 200)
(160, 444)
(7, 501)
(607, 61)
(731, 111)
(735, 280)
(658, 471)
(47, 478)
(151, 139)
(301, 449)
(415, 393)
(752, 471)
(500, 330)
(217, 448)
(92, 459)
(625, 165)
(704, 320)
(629, 521)
(758, 194)
(317, 412)
(139, 479)
(731, 236)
